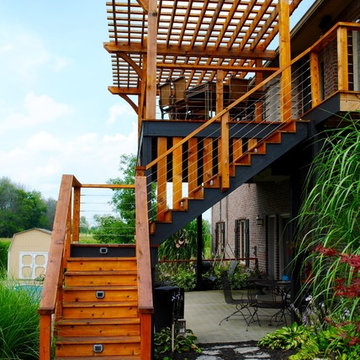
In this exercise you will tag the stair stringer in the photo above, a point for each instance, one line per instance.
(242, 175)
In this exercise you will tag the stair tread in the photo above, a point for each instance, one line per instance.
(97, 339)
(100, 304)
(100, 287)
(101, 272)
(101, 259)
(91, 321)
(117, 357)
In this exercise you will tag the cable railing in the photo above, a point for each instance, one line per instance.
(197, 161)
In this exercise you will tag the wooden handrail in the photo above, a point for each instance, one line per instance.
(145, 299)
(48, 296)
(315, 47)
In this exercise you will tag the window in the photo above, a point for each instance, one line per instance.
(219, 237)
(32, 264)
(242, 239)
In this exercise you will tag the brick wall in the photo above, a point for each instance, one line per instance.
(247, 202)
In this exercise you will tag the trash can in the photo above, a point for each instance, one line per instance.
(168, 306)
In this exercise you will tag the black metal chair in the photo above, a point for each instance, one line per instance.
(270, 299)
(241, 303)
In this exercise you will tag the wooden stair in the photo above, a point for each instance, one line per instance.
(244, 165)
(99, 317)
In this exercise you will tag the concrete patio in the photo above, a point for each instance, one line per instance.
(205, 309)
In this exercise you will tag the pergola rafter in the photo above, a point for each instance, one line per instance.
(195, 38)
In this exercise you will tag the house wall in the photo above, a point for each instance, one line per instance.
(33, 243)
(247, 202)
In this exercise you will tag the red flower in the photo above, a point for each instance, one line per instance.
(325, 251)
(353, 341)
(351, 260)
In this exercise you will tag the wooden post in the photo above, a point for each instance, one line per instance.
(145, 331)
(161, 180)
(258, 79)
(192, 165)
(224, 164)
(177, 174)
(342, 55)
(220, 74)
(151, 61)
(284, 60)
(45, 336)
(315, 79)
(76, 215)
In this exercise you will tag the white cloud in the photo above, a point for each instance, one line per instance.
(41, 161)
(24, 54)
(37, 110)
(121, 112)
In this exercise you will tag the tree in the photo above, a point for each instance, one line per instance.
(19, 209)
(120, 228)
(183, 244)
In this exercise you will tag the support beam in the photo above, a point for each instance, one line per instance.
(285, 60)
(220, 75)
(187, 50)
(130, 102)
(254, 69)
(144, 4)
(76, 215)
(115, 90)
(151, 49)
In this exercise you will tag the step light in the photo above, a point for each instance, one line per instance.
(100, 294)
(98, 348)
(103, 250)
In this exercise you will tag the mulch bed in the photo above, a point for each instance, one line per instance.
(229, 354)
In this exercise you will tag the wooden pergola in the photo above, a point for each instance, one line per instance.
(152, 41)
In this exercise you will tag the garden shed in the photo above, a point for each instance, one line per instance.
(28, 254)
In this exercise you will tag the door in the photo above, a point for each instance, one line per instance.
(271, 242)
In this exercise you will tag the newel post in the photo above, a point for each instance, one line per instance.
(315, 79)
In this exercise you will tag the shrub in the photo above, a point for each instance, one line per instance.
(177, 274)
(19, 322)
(286, 338)
(182, 343)
(4, 247)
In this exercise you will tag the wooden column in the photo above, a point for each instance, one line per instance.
(258, 79)
(141, 104)
(224, 165)
(207, 159)
(192, 165)
(151, 61)
(342, 55)
(284, 59)
(315, 79)
(177, 174)
(76, 215)
(220, 74)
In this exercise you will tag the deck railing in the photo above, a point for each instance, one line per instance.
(66, 230)
(190, 163)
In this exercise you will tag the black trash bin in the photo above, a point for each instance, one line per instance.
(168, 306)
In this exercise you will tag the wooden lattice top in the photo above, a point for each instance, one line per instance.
(195, 37)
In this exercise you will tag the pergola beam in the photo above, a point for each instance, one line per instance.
(215, 67)
(115, 90)
(186, 50)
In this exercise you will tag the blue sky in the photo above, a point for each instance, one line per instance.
(56, 114)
